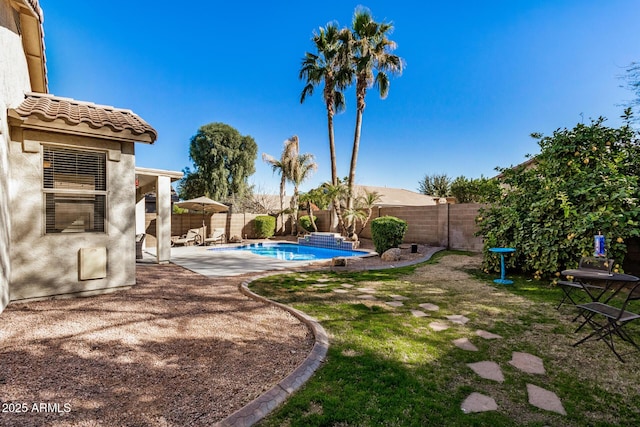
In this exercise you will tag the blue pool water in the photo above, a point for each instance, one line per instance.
(292, 251)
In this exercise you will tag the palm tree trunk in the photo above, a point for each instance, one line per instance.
(313, 221)
(332, 148)
(338, 208)
(366, 221)
(354, 161)
(294, 210)
(282, 189)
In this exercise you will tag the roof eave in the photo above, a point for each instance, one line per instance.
(82, 129)
(31, 20)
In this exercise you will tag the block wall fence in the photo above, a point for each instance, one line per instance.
(449, 225)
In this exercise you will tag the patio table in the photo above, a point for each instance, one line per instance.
(502, 280)
(605, 318)
(602, 281)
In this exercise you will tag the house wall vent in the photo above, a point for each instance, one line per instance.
(92, 263)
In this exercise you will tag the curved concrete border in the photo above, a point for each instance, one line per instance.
(264, 404)
(260, 407)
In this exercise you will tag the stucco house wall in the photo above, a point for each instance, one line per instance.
(14, 82)
(74, 251)
(48, 264)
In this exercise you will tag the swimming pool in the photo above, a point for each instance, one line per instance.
(292, 251)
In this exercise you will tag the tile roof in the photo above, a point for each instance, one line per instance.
(49, 108)
(35, 5)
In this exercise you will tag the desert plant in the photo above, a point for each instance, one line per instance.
(437, 185)
(306, 222)
(387, 232)
(265, 226)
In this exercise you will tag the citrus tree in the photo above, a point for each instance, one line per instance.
(584, 181)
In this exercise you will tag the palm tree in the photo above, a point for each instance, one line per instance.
(373, 61)
(329, 65)
(337, 194)
(302, 167)
(283, 166)
(368, 201)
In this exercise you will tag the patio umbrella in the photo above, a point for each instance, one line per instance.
(203, 204)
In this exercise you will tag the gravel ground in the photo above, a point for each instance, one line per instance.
(177, 349)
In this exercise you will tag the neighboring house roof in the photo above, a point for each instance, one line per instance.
(528, 164)
(270, 203)
(32, 33)
(48, 112)
(397, 196)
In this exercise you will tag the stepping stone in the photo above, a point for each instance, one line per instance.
(341, 291)
(429, 307)
(367, 297)
(487, 335)
(527, 363)
(418, 313)
(300, 279)
(399, 297)
(465, 344)
(545, 399)
(438, 326)
(320, 285)
(347, 285)
(458, 318)
(477, 402)
(367, 290)
(395, 303)
(487, 370)
(323, 280)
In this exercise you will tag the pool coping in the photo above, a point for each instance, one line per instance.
(363, 252)
(200, 259)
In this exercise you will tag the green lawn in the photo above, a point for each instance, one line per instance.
(386, 367)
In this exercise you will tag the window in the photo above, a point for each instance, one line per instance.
(75, 190)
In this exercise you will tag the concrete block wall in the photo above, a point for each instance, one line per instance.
(448, 225)
(462, 227)
(238, 224)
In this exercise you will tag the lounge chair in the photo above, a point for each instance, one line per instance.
(139, 242)
(192, 236)
(217, 236)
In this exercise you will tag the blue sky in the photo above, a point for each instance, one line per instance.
(480, 77)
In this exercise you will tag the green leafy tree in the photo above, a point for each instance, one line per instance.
(584, 181)
(329, 65)
(436, 185)
(224, 159)
(476, 190)
(373, 62)
(192, 185)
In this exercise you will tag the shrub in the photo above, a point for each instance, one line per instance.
(265, 226)
(584, 181)
(387, 232)
(305, 222)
